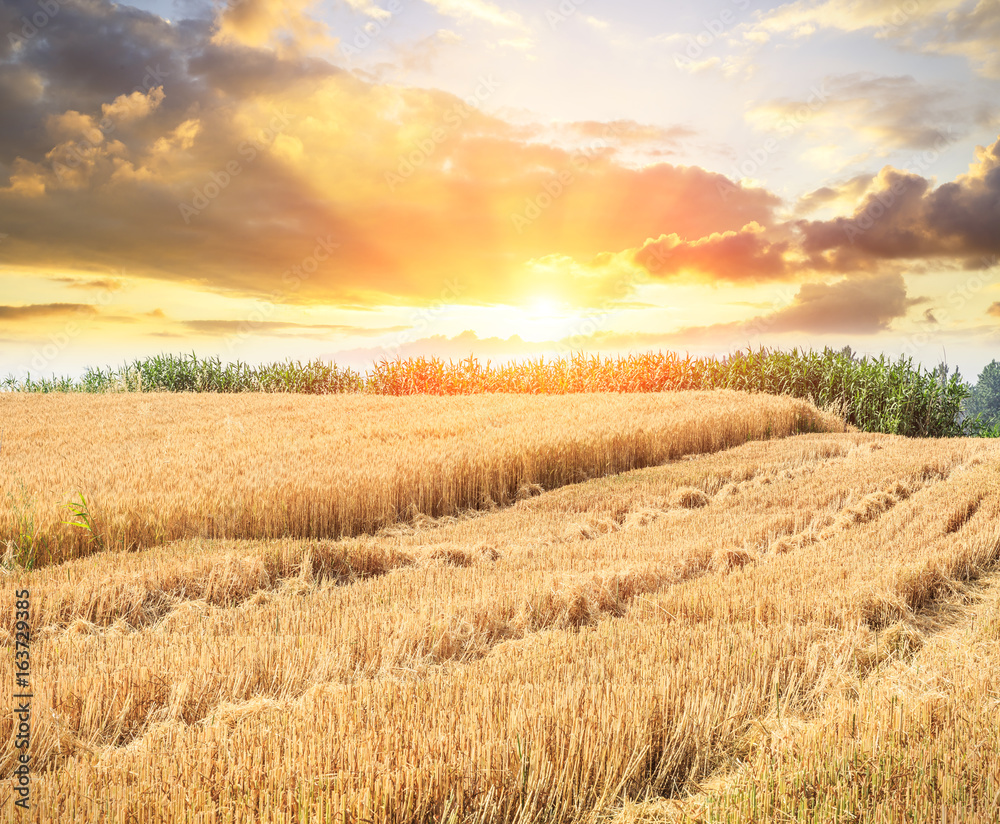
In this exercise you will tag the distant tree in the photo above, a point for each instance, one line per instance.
(985, 398)
(941, 370)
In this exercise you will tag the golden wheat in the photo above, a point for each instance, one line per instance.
(154, 468)
(601, 651)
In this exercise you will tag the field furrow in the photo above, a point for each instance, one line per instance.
(914, 737)
(603, 649)
(92, 473)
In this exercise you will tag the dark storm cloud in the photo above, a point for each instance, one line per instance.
(904, 216)
(86, 53)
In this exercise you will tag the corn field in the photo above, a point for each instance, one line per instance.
(875, 395)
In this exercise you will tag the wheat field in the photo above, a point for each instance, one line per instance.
(158, 467)
(804, 628)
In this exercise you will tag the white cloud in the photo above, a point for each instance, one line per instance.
(478, 10)
(964, 28)
(368, 8)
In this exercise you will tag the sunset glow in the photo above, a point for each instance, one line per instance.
(266, 179)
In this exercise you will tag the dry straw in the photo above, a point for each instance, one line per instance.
(604, 651)
(158, 467)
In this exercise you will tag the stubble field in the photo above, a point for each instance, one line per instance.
(652, 615)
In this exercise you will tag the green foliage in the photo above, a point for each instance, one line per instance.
(189, 373)
(84, 519)
(22, 549)
(983, 405)
(875, 395)
(29, 384)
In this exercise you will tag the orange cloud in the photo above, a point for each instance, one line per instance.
(270, 23)
(232, 172)
(744, 255)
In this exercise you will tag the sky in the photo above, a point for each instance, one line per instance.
(264, 180)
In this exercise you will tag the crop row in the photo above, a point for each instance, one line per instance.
(875, 395)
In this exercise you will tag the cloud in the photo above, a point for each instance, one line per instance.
(68, 66)
(109, 284)
(630, 131)
(734, 256)
(468, 10)
(971, 31)
(128, 108)
(864, 306)
(422, 55)
(276, 23)
(849, 306)
(847, 193)
(368, 8)
(994, 310)
(45, 310)
(905, 216)
(250, 154)
(963, 28)
(891, 112)
(223, 328)
(803, 17)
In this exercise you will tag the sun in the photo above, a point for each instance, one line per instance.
(544, 318)
(544, 307)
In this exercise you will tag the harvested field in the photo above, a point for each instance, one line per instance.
(718, 638)
(158, 467)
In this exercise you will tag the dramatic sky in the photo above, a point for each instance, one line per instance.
(271, 179)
